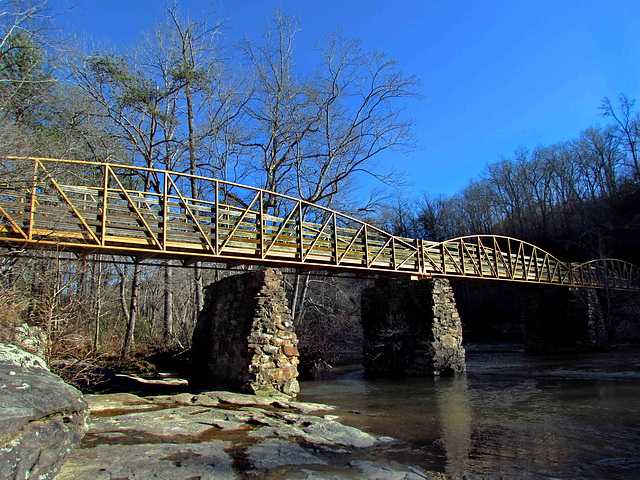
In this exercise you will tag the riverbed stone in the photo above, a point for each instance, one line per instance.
(41, 418)
(373, 471)
(186, 441)
(117, 401)
(274, 452)
(169, 461)
(330, 432)
(178, 424)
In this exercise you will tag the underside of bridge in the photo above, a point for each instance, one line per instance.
(562, 320)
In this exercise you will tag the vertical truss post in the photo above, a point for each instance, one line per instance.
(33, 198)
(478, 251)
(496, 250)
(512, 267)
(300, 230)
(393, 253)
(216, 221)
(366, 247)
(335, 238)
(105, 188)
(165, 209)
(260, 229)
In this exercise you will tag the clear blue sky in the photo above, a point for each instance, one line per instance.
(495, 75)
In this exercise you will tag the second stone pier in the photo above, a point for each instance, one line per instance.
(412, 328)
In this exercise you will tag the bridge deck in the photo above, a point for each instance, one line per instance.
(113, 209)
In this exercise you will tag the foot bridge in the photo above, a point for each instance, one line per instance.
(107, 208)
(91, 208)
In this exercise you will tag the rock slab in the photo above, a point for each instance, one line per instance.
(220, 435)
(42, 418)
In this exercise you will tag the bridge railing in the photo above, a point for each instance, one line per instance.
(148, 212)
(504, 258)
(118, 209)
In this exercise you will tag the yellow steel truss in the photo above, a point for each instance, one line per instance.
(91, 207)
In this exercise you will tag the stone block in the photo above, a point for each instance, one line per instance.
(290, 351)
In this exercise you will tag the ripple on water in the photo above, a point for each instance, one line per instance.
(574, 416)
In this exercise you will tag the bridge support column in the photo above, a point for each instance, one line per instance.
(563, 320)
(244, 338)
(412, 328)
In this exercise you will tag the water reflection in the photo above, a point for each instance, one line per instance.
(452, 399)
(511, 416)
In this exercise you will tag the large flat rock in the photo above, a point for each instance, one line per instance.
(41, 418)
(145, 461)
(221, 435)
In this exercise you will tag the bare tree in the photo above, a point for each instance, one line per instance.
(313, 135)
(627, 124)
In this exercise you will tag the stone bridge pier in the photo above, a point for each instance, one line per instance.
(244, 338)
(566, 320)
(412, 328)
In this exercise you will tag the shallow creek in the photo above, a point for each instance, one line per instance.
(511, 415)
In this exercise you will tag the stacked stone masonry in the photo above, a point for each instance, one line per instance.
(244, 338)
(564, 320)
(412, 328)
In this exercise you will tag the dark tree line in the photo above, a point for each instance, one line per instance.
(579, 199)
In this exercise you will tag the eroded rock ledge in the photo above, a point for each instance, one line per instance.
(224, 435)
(41, 418)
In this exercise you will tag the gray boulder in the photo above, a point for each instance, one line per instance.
(41, 418)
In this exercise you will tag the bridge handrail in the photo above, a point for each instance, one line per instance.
(248, 232)
(210, 179)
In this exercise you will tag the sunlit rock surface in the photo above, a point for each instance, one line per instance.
(220, 435)
(41, 418)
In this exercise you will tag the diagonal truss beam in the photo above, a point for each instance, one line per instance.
(338, 242)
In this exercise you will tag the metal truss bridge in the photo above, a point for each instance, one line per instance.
(105, 208)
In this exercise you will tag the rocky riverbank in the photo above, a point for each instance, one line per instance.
(222, 435)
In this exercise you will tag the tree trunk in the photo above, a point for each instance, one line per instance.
(299, 296)
(98, 304)
(133, 310)
(197, 271)
(168, 302)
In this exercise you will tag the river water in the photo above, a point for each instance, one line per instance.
(511, 415)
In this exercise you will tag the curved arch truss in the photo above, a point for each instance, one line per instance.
(91, 207)
(504, 258)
